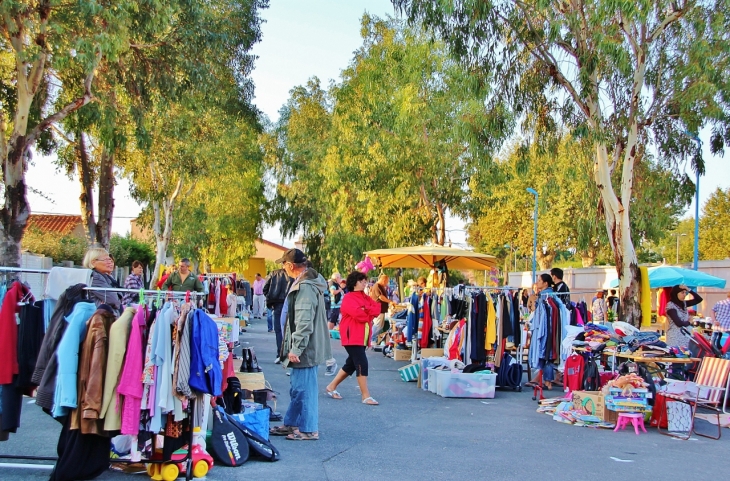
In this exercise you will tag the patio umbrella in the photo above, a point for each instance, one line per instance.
(425, 257)
(668, 276)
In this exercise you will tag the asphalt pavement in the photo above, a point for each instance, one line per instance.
(417, 435)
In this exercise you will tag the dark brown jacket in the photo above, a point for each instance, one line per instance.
(92, 370)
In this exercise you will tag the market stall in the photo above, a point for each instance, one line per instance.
(129, 385)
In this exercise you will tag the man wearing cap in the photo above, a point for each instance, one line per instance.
(306, 345)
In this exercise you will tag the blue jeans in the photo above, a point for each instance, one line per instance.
(303, 411)
(269, 319)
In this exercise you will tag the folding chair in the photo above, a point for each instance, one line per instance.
(712, 378)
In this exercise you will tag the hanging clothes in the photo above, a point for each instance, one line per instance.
(205, 370)
(129, 382)
(9, 332)
(491, 334)
(118, 339)
(477, 329)
(44, 375)
(30, 337)
(65, 395)
(92, 370)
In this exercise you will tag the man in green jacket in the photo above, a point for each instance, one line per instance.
(183, 280)
(306, 345)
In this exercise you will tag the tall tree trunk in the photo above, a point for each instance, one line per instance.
(15, 212)
(618, 226)
(163, 235)
(86, 182)
(28, 75)
(588, 257)
(545, 260)
(106, 198)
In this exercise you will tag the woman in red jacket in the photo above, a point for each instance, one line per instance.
(358, 311)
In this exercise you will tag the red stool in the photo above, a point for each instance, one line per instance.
(636, 419)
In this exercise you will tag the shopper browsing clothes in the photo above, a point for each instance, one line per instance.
(379, 293)
(306, 346)
(358, 311)
(543, 287)
(559, 286)
(599, 310)
(721, 316)
(275, 290)
(678, 315)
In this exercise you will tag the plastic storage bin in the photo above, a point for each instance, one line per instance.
(458, 384)
(427, 364)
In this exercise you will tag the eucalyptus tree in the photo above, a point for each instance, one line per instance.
(626, 75)
(200, 82)
(39, 40)
(502, 211)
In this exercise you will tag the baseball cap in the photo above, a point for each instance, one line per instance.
(295, 256)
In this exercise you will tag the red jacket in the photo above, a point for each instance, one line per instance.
(9, 333)
(358, 311)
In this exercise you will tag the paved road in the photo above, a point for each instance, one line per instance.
(416, 435)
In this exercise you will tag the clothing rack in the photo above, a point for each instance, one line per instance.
(188, 460)
(25, 270)
(146, 292)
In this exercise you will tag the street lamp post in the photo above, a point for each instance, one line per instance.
(534, 238)
(677, 235)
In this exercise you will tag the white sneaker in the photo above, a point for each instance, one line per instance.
(288, 372)
(278, 361)
(331, 370)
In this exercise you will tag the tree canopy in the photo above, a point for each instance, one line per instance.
(629, 77)
(380, 158)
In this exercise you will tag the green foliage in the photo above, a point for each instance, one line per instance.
(714, 226)
(382, 157)
(64, 248)
(567, 201)
(221, 218)
(127, 250)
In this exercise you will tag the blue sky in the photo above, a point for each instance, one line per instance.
(301, 39)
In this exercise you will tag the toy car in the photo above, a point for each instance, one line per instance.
(169, 471)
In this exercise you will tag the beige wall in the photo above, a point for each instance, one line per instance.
(268, 252)
(588, 279)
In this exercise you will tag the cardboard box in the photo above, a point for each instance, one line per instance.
(251, 380)
(594, 403)
(401, 354)
(432, 352)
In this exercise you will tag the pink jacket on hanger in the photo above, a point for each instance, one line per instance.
(130, 383)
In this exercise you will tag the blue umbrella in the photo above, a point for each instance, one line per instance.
(668, 276)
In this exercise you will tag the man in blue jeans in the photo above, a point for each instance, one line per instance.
(306, 345)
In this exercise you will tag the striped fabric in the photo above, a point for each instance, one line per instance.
(183, 375)
(713, 373)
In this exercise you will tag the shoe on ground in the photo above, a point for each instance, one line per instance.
(271, 330)
(278, 361)
(288, 372)
(331, 370)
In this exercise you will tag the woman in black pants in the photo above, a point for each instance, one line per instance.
(358, 311)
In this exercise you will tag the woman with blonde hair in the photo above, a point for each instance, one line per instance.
(101, 264)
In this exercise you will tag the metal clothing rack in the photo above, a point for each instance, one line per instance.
(188, 460)
(6, 271)
(25, 270)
